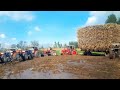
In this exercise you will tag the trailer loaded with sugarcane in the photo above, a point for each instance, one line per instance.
(99, 38)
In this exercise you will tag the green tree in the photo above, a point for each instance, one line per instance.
(75, 43)
(118, 21)
(65, 45)
(0, 45)
(111, 19)
(35, 43)
(58, 45)
(22, 45)
(42, 47)
(13, 46)
(55, 45)
(61, 46)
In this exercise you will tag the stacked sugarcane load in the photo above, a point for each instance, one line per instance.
(98, 37)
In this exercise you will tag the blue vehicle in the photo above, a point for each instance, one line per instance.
(28, 55)
(6, 57)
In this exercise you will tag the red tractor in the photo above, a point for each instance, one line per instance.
(69, 50)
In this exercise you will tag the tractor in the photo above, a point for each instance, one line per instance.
(48, 52)
(2, 57)
(34, 51)
(114, 51)
(69, 50)
(19, 55)
(5, 57)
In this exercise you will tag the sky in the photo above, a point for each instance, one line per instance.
(47, 26)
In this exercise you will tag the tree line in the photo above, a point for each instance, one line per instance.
(112, 19)
(24, 44)
(59, 45)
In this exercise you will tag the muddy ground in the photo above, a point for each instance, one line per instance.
(63, 67)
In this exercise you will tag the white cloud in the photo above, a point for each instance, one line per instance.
(2, 36)
(18, 15)
(13, 39)
(99, 17)
(91, 20)
(37, 28)
(29, 32)
(33, 30)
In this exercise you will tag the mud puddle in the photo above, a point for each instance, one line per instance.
(77, 63)
(29, 74)
(47, 74)
(82, 63)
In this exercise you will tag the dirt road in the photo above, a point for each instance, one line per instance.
(63, 67)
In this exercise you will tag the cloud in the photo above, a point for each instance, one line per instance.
(13, 39)
(91, 20)
(18, 15)
(2, 36)
(99, 17)
(29, 32)
(33, 30)
(37, 28)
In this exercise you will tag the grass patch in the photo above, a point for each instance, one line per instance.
(93, 53)
(80, 52)
(58, 52)
(98, 53)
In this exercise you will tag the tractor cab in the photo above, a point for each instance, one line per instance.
(114, 50)
(115, 47)
(71, 47)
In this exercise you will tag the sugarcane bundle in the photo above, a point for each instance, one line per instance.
(98, 37)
